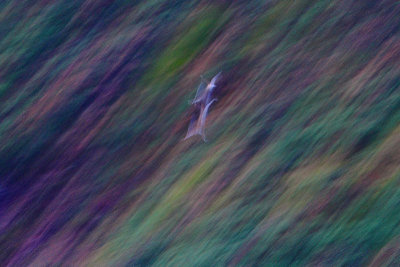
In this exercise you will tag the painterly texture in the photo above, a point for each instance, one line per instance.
(302, 163)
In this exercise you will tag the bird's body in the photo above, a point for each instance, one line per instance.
(202, 102)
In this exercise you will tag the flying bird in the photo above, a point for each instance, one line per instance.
(202, 101)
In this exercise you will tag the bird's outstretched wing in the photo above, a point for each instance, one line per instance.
(198, 121)
(202, 119)
(214, 79)
(193, 129)
(200, 92)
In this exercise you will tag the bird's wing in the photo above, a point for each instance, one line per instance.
(214, 80)
(193, 125)
(200, 92)
(203, 116)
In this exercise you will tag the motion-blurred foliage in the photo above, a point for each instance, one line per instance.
(302, 163)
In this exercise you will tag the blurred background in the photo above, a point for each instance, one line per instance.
(302, 163)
